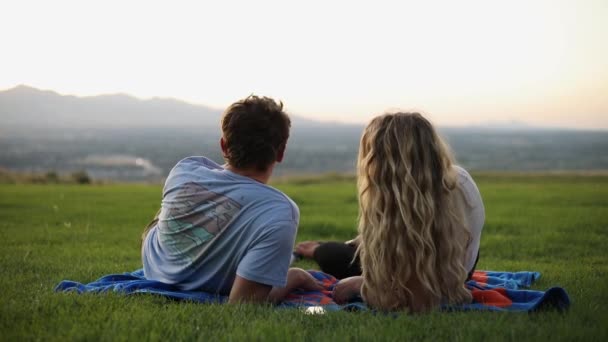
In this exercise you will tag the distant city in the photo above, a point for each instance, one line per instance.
(121, 138)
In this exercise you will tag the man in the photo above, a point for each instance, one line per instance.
(221, 229)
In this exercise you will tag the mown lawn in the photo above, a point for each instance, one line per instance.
(557, 225)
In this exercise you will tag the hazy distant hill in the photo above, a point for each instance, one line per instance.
(125, 138)
(27, 107)
(24, 106)
(122, 137)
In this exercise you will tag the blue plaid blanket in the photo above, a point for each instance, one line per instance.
(491, 291)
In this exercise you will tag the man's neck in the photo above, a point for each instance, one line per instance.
(260, 176)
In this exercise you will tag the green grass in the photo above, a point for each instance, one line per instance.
(557, 225)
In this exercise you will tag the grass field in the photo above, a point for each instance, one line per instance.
(557, 225)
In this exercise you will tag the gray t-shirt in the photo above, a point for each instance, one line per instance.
(474, 213)
(215, 224)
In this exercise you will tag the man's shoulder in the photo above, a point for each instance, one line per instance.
(295, 211)
(276, 203)
(192, 166)
(197, 162)
(193, 169)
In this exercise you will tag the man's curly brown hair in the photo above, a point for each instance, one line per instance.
(255, 130)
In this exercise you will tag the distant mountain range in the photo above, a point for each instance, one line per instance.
(124, 138)
(24, 108)
(27, 107)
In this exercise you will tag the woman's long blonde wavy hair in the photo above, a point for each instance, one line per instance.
(413, 235)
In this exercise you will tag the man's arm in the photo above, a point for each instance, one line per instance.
(347, 288)
(265, 264)
(247, 291)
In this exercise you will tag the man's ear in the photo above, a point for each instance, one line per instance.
(281, 153)
(223, 146)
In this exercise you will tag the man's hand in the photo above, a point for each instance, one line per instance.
(297, 278)
(347, 288)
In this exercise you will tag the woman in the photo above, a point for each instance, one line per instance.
(420, 220)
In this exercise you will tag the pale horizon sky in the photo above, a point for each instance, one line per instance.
(541, 62)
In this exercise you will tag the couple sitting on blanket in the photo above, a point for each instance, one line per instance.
(222, 229)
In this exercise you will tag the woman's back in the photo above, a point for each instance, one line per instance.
(474, 214)
(413, 227)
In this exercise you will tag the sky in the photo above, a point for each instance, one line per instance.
(539, 62)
